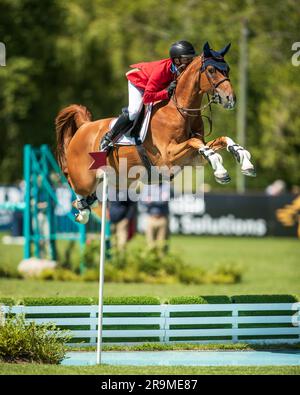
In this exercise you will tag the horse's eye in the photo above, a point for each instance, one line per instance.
(211, 70)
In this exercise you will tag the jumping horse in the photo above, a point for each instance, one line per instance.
(175, 136)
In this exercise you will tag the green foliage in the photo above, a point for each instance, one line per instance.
(90, 275)
(150, 300)
(135, 300)
(74, 301)
(192, 275)
(47, 274)
(79, 53)
(264, 299)
(20, 341)
(58, 301)
(91, 255)
(7, 301)
(138, 264)
(218, 299)
(58, 274)
(271, 266)
(135, 264)
(200, 346)
(225, 274)
(7, 271)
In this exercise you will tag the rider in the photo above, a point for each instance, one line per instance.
(149, 82)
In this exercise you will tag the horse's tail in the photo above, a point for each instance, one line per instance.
(67, 122)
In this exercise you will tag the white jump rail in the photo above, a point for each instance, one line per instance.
(125, 330)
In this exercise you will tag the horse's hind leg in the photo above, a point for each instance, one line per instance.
(83, 208)
(241, 154)
(91, 200)
(85, 201)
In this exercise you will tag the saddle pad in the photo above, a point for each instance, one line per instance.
(128, 140)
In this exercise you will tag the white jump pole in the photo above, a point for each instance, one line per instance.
(101, 268)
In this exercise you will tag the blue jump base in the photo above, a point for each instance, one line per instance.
(186, 358)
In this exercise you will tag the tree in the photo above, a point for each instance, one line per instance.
(61, 52)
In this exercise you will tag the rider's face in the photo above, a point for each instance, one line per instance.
(186, 60)
(183, 61)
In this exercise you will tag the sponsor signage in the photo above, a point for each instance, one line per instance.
(213, 214)
(232, 215)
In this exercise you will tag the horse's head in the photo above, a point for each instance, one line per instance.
(215, 76)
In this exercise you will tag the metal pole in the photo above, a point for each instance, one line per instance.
(27, 208)
(50, 208)
(82, 240)
(35, 157)
(242, 99)
(101, 268)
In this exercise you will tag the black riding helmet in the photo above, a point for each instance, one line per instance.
(182, 49)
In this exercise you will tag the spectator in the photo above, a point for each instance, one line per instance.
(123, 219)
(276, 188)
(17, 215)
(156, 200)
(40, 219)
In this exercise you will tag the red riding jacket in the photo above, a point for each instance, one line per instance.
(153, 78)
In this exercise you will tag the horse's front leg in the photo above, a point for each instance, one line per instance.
(186, 153)
(241, 154)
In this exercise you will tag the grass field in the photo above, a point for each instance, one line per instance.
(36, 369)
(270, 265)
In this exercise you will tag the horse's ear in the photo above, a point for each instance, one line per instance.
(224, 51)
(206, 50)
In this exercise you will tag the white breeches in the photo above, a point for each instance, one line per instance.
(135, 100)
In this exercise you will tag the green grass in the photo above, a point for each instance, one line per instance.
(270, 265)
(193, 347)
(34, 369)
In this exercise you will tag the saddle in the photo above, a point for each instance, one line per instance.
(135, 133)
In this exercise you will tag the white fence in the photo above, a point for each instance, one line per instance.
(197, 323)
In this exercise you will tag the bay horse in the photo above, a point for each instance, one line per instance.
(175, 136)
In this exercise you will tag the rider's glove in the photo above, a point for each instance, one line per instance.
(171, 88)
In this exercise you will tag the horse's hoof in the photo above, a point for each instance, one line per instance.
(82, 217)
(225, 179)
(249, 172)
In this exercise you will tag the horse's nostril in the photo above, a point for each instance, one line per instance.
(231, 99)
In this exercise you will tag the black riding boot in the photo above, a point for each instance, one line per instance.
(119, 127)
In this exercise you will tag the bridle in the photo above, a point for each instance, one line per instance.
(215, 98)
